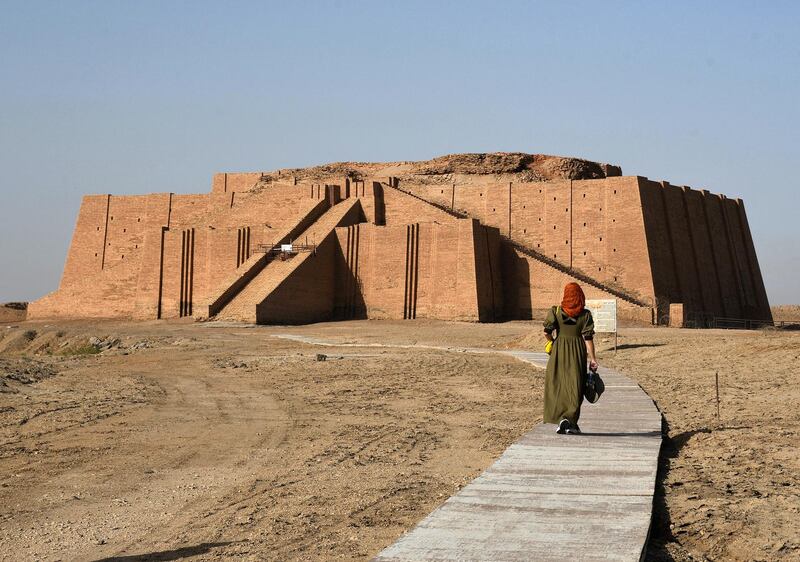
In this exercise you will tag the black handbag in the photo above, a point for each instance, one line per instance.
(594, 387)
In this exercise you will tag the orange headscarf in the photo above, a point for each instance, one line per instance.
(574, 300)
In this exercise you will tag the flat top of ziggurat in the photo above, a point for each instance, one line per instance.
(522, 166)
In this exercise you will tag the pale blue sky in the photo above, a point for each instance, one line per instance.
(149, 96)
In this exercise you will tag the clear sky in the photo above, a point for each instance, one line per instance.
(142, 96)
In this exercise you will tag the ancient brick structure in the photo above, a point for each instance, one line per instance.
(476, 237)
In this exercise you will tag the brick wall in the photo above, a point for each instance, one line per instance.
(233, 182)
(167, 255)
(702, 255)
(418, 270)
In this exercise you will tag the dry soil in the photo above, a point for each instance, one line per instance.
(160, 441)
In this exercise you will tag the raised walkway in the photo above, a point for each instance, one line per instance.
(549, 496)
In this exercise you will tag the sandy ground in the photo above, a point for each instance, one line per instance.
(225, 442)
(212, 441)
(729, 487)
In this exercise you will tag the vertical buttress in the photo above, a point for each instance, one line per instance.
(182, 298)
(412, 272)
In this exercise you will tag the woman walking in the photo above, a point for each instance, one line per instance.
(566, 368)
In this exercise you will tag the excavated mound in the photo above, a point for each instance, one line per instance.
(519, 165)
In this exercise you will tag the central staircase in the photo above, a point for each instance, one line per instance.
(243, 306)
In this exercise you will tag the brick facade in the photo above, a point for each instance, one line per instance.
(461, 247)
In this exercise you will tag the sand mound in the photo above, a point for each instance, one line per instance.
(13, 311)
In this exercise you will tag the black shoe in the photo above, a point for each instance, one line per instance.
(563, 427)
(574, 430)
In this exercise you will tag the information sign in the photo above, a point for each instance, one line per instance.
(604, 313)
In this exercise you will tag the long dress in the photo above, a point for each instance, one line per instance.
(566, 368)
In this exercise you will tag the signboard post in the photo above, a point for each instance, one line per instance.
(604, 313)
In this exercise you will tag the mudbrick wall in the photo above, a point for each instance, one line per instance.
(429, 243)
(419, 270)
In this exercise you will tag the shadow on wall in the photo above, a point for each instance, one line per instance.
(517, 277)
(349, 301)
(380, 204)
(354, 308)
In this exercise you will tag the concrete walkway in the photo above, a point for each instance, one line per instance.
(549, 496)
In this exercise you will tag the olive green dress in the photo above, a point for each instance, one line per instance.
(566, 368)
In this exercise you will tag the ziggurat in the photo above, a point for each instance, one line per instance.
(473, 237)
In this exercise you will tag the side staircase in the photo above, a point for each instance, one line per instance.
(242, 307)
(618, 292)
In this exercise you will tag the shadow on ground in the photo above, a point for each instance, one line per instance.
(637, 345)
(660, 527)
(663, 546)
(175, 554)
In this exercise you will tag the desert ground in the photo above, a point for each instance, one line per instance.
(212, 441)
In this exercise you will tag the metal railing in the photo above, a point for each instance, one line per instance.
(285, 250)
(700, 320)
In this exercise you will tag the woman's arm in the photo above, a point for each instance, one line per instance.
(592, 357)
(549, 336)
